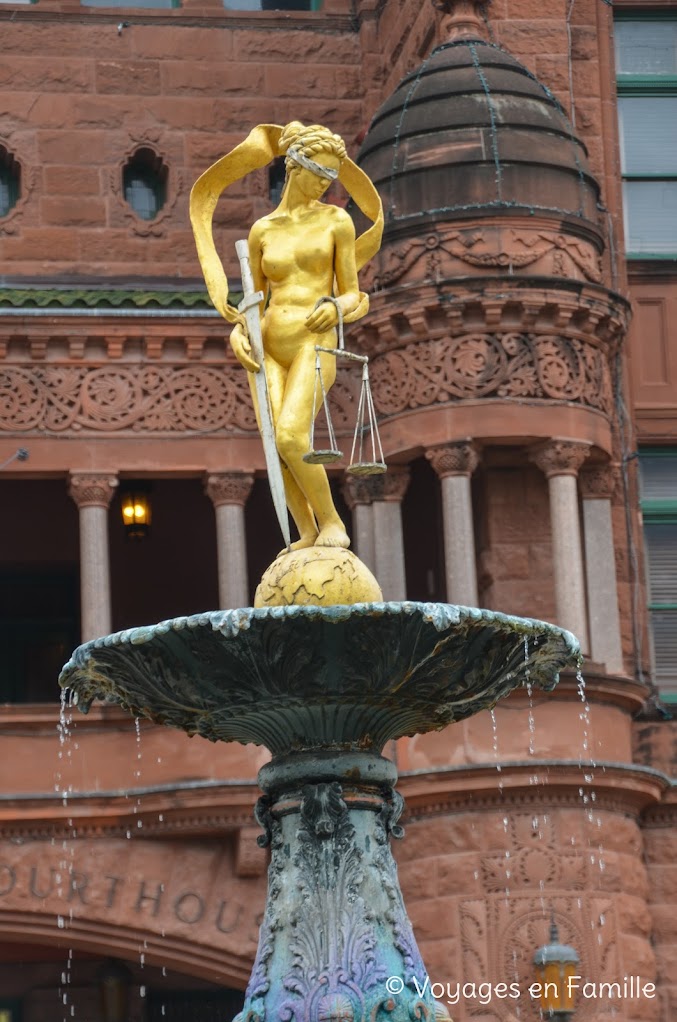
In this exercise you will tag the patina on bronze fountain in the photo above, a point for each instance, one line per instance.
(320, 672)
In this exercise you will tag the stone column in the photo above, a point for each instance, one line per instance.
(455, 463)
(228, 492)
(358, 494)
(389, 490)
(92, 492)
(560, 460)
(597, 486)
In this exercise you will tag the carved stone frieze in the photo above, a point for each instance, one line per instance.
(498, 365)
(559, 457)
(459, 458)
(229, 487)
(445, 253)
(143, 399)
(92, 489)
(598, 482)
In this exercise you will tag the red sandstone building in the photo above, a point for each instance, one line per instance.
(523, 344)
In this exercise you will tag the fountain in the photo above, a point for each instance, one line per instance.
(322, 673)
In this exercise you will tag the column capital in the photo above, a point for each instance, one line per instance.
(458, 458)
(389, 486)
(598, 482)
(228, 487)
(559, 457)
(92, 489)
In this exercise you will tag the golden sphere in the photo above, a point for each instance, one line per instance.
(317, 576)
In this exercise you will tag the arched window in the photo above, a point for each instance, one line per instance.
(10, 181)
(144, 183)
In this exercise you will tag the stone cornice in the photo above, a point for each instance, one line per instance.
(573, 310)
(617, 787)
(104, 298)
(207, 809)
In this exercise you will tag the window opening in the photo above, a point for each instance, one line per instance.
(144, 183)
(10, 181)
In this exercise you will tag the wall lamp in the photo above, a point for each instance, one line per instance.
(554, 964)
(136, 510)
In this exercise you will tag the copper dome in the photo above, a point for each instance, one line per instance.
(472, 132)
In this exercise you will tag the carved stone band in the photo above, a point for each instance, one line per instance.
(92, 489)
(391, 487)
(559, 457)
(459, 458)
(229, 487)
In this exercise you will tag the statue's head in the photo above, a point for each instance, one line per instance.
(313, 155)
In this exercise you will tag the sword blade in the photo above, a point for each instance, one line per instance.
(251, 311)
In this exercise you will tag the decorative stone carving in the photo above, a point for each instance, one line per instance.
(500, 365)
(499, 249)
(559, 457)
(459, 458)
(229, 487)
(462, 18)
(598, 482)
(391, 486)
(144, 399)
(91, 489)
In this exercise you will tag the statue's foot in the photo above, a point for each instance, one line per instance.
(333, 535)
(300, 544)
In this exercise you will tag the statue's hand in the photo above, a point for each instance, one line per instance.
(239, 342)
(323, 318)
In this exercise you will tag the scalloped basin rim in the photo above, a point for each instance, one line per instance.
(231, 622)
(295, 678)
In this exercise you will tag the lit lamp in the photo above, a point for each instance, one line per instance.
(136, 512)
(114, 981)
(554, 964)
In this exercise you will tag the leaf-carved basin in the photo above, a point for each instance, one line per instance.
(294, 678)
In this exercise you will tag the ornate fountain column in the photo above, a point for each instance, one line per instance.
(325, 689)
(560, 460)
(597, 485)
(454, 464)
(228, 492)
(93, 492)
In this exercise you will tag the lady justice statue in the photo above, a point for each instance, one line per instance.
(299, 274)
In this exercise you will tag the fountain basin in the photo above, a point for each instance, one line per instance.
(303, 677)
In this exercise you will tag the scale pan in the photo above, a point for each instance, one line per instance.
(322, 457)
(367, 468)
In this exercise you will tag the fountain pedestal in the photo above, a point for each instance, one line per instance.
(324, 688)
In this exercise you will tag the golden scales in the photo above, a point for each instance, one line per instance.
(366, 454)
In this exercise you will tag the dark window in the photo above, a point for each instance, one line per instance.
(10, 181)
(208, 1006)
(144, 182)
(272, 5)
(130, 3)
(276, 177)
(39, 628)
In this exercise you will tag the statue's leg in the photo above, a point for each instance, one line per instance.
(299, 405)
(299, 508)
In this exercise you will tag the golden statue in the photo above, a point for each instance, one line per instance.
(304, 259)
